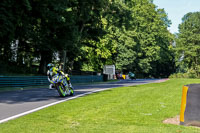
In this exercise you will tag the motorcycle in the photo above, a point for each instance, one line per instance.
(61, 85)
(131, 75)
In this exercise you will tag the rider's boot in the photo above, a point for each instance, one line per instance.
(51, 86)
(70, 85)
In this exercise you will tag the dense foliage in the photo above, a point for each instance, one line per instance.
(85, 35)
(188, 45)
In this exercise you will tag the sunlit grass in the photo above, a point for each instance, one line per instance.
(136, 109)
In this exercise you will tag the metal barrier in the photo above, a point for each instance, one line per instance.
(86, 79)
(22, 81)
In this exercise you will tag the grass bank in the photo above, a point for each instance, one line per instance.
(136, 109)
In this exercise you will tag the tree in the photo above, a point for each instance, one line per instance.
(12, 16)
(144, 42)
(132, 34)
(188, 43)
(137, 39)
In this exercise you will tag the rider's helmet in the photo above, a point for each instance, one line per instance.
(50, 65)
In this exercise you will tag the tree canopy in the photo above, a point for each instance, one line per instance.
(85, 35)
(188, 44)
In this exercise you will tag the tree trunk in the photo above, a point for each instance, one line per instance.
(19, 53)
(64, 60)
(6, 53)
(46, 57)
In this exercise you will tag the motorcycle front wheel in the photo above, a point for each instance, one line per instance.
(71, 91)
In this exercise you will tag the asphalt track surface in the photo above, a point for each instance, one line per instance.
(14, 104)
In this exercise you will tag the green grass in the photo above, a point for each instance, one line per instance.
(136, 109)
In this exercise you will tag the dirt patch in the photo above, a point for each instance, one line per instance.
(161, 80)
(175, 120)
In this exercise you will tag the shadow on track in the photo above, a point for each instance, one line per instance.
(44, 94)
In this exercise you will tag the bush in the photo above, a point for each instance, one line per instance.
(192, 74)
(184, 75)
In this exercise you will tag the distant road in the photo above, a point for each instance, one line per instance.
(14, 104)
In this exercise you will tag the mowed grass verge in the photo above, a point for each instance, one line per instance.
(135, 109)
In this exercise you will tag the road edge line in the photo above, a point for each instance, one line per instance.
(51, 104)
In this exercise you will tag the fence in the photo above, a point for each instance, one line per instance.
(22, 81)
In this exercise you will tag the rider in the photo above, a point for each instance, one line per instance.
(52, 71)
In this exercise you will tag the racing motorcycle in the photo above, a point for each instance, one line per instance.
(131, 75)
(61, 85)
